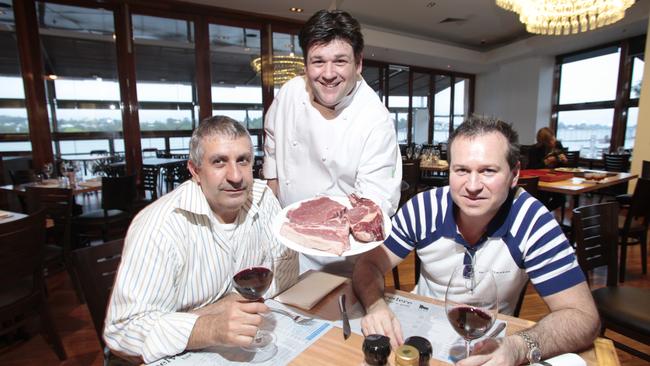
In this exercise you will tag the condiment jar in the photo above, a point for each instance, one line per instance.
(424, 347)
(376, 349)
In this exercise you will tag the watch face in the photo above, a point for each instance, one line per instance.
(535, 355)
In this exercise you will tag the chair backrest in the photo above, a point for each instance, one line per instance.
(96, 267)
(58, 204)
(150, 152)
(150, 180)
(616, 162)
(119, 193)
(99, 152)
(21, 249)
(573, 157)
(22, 176)
(640, 205)
(410, 175)
(595, 230)
(530, 184)
(645, 169)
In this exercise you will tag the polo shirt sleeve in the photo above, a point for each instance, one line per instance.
(548, 258)
(402, 239)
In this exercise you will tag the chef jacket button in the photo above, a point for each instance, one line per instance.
(287, 182)
(294, 143)
(323, 159)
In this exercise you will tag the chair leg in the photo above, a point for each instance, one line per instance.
(396, 278)
(644, 252)
(49, 331)
(621, 266)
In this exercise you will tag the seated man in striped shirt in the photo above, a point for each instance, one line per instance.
(173, 288)
(482, 217)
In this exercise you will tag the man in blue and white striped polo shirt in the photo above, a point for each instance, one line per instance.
(482, 217)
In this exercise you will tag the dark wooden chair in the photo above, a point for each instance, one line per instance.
(58, 204)
(149, 152)
(112, 221)
(626, 199)
(97, 268)
(619, 163)
(622, 309)
(22, 288)
(22, 176)
(573, 158)
(633, 228)
(410, 175)
(150, 181)
(530, 184)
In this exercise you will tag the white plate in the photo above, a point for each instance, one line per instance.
(569, 170)
(355, 246)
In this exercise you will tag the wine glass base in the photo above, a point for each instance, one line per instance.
(263, 347)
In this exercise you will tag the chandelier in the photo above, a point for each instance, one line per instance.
(285, 67)
(555, 17)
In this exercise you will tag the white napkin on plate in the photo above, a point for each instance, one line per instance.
(567, 359)
(310, 290)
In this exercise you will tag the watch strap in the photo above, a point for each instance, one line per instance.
(534, 353)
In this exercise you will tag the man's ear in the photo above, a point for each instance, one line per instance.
(194, 170)
(515, 174)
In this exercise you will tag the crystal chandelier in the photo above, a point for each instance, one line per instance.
(555, 17)
(285, 67)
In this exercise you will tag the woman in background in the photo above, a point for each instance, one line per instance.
(548, 152)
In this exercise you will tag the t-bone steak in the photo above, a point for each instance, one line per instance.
(366, 219)
(320, 224)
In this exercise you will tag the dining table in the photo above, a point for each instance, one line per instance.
(333, 349)
(576, 184)
(86, 186)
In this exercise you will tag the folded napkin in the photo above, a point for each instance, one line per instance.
(310, 290)
(567, 359)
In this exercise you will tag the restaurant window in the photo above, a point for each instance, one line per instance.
(165, 72)
(79, 58)
(584, 111)
(372, 76)
(236, 86)
(420, 108)
(398, 99)
(441, 108)
(461, 100)
(13, 115)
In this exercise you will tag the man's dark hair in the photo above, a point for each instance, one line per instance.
(479, 126)
(327, 25)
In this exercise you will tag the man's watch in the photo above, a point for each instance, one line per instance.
(534, 354)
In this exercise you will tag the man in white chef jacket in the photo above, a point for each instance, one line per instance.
(328, 133)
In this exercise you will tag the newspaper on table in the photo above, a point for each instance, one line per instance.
(292, 339)
(419, 318)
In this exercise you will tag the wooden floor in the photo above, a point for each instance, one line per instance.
(81, 344)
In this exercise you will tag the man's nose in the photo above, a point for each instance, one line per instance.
(329, 72)
(234, 174)
(474, 183)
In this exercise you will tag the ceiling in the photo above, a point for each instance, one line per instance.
(464, 35)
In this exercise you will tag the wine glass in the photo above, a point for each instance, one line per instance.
(252, 282)
(471, 302)
(48, 169)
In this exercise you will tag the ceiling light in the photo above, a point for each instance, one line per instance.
(285, 67)
(52, 76)
(296, 10)
(555, 17)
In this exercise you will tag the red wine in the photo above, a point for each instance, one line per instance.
(253, 282)
(469, 322)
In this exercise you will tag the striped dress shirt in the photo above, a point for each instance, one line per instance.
(177, 258)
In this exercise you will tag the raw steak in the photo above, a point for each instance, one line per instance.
(366, 219)
(320, 224)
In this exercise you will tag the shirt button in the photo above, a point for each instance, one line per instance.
(294, 143)
(323, 159)
(287, 182)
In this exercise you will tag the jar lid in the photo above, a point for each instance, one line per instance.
(376, 349)
(406, 355)
(423, 345)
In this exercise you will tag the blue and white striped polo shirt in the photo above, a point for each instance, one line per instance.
(522, 241)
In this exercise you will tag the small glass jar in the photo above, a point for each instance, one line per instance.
(406, 355)
(423, 346)
(376, 349)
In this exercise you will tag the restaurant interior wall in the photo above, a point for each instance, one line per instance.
(170, 63)
(518, 92)
(641, 145)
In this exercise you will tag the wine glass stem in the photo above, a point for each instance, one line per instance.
(467, 348)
